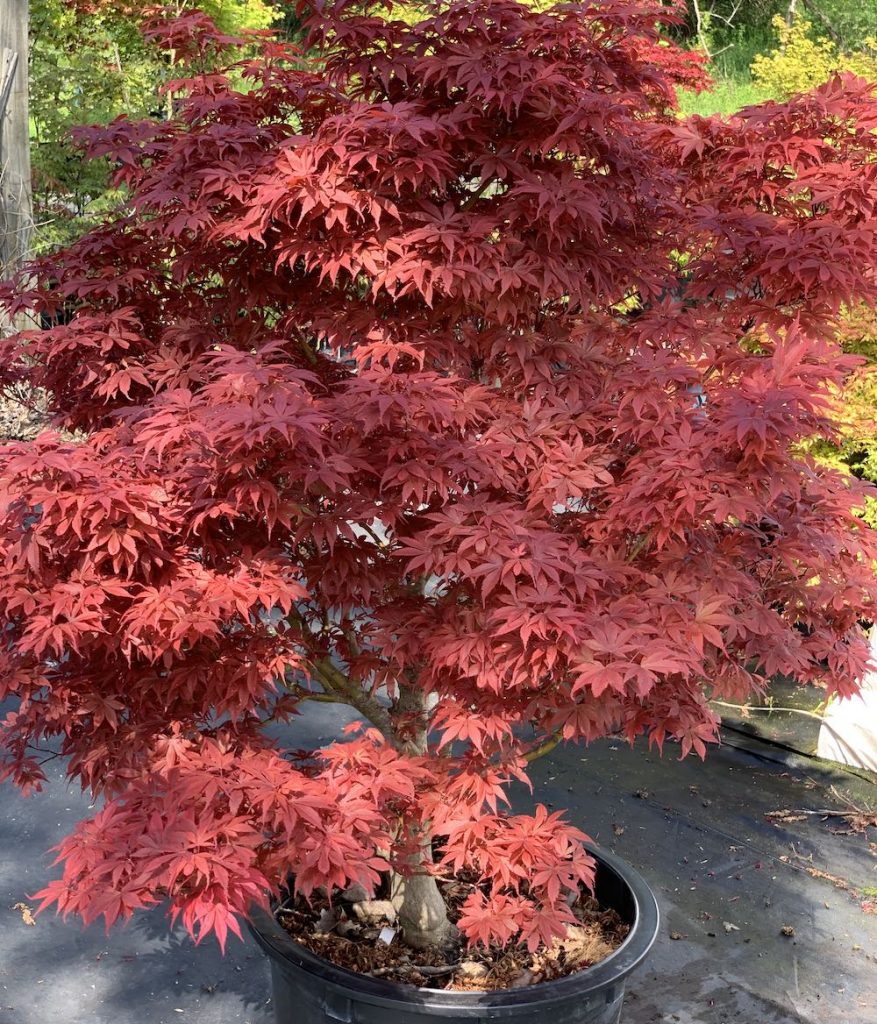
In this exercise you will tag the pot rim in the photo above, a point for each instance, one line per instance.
(280, 946)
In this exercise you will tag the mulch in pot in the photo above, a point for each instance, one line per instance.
(336, 933)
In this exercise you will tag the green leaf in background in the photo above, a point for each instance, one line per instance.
(88, 65)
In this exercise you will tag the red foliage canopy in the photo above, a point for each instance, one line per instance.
(452, 375)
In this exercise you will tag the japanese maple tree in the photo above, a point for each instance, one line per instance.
(447, 374)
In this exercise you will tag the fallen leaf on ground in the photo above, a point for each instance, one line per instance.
(26, 913)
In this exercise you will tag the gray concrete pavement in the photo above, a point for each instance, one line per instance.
(696, 831)
(699, 834)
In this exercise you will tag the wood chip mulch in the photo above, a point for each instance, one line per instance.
(334, 933)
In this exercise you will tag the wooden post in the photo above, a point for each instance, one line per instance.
(16, 212)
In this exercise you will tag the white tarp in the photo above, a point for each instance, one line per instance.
(848, 733)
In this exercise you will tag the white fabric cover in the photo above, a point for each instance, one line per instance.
(848, 733)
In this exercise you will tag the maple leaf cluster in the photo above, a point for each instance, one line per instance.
(450, 375)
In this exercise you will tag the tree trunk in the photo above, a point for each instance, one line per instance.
(700, 28)
(423, 914)
(811, 8)
(420, 905)
(16, 216)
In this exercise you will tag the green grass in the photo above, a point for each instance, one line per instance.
(729, 96)
(735, 50)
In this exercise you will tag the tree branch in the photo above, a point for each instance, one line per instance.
(824, 20)
(303, 344)
(543, 748)
(477, 194)
(378, 542)
(342, 690)
(701, 28)
(768, 709)
(349, 692)
(791, 12)
(319, 698)
(728, 19)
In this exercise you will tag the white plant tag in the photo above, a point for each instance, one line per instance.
(387, 935)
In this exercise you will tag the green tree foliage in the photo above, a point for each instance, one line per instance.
(847, 22)
(88, 65)
(737, 31)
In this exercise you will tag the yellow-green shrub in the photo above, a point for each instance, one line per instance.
(802, 61)
(856, 449)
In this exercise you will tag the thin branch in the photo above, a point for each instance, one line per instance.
(380, 543)
(10, 396)
(638, 546)
(717, 53)
(845, 800)
(701, 28)
(748, 707)
(543, 749)
(728, 19)
(478, 193)
(825, 812)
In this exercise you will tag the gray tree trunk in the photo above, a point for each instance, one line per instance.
(422, 911)
(16, 212)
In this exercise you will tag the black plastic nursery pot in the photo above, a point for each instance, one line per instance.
(310, 990)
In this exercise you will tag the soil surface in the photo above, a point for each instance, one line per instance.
(350, 935)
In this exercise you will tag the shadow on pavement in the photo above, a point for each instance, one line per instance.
(727, 879)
